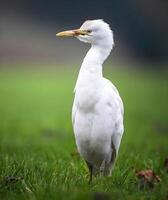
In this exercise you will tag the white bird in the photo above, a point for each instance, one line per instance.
(97, 113)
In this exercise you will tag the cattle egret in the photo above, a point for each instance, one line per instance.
(97, 113)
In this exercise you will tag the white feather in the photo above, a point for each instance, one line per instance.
(97, 113)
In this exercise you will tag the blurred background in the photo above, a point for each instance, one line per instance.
(28, 30)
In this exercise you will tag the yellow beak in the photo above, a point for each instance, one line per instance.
(69, 33)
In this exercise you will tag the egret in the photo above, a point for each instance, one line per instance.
(97, 112)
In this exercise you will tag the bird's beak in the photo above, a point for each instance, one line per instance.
(75, 32)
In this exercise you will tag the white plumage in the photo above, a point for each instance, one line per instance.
(97, 113)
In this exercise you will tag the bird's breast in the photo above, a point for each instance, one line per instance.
(86, 98)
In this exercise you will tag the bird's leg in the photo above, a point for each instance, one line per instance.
(102, 168)
(90, 167)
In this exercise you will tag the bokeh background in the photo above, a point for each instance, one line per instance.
(28, 29)
(38, 156)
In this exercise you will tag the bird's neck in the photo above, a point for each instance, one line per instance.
(95, 58)
(97, 54)
(91, 69)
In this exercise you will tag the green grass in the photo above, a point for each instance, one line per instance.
(37, 144)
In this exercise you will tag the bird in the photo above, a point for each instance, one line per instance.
(97, 111)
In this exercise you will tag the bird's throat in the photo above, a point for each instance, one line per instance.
(90, 74)
(97, 54)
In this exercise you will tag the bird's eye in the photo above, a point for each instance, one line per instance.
(89, 31)
(85, 32)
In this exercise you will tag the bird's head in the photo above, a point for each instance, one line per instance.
(91, 31)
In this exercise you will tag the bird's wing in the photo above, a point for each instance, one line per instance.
(118, 126)
(110, 85)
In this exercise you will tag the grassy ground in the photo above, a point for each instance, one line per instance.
(37, 145)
